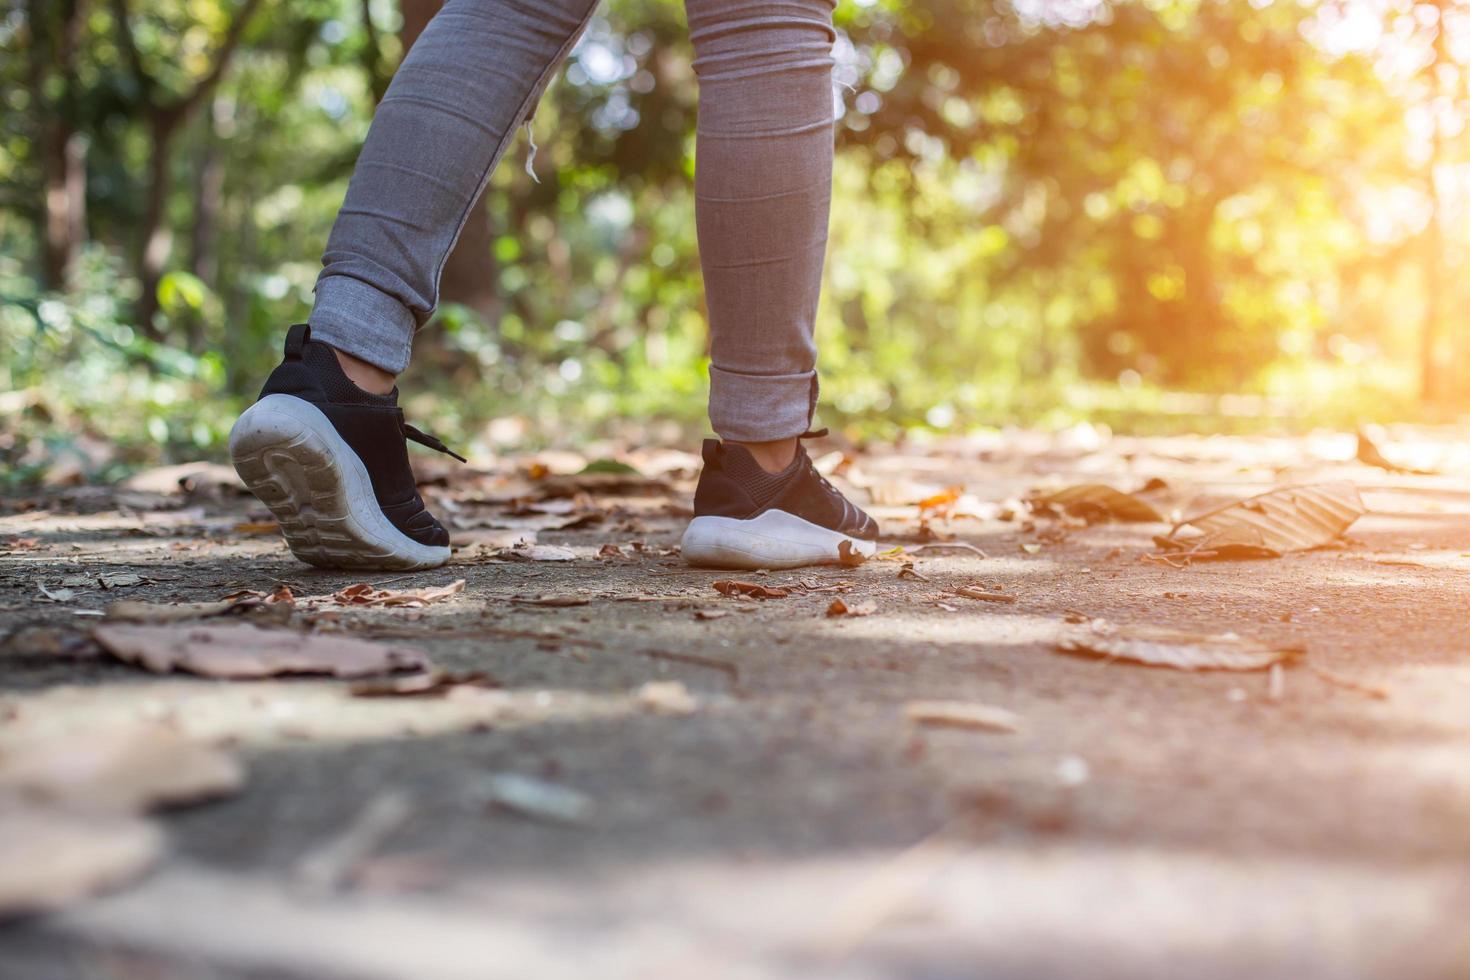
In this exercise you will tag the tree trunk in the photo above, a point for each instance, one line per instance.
(208, 189)
(209, 180)
(1430, 341)
(163, 121)
(470, 276)
(63, 151)
(153, 232)
(64, 208)
(1430, 337)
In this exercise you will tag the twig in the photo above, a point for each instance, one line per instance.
(396, 578)
(1166, 560)
(408, 633)
(874, 901)
(713, 663)
(1338, 680)
(949, 546)
(329, 867)
(969, 593)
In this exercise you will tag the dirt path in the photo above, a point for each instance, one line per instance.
(1141, 823)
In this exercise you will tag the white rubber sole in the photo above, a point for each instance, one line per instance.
(774, 539)
(292, 458)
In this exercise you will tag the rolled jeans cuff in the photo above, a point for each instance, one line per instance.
(761, 407)
(363, 321)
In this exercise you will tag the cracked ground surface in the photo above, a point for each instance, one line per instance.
(1141, 822)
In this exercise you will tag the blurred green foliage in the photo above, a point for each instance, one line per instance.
(1158, 213)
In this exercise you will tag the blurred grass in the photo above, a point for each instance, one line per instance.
(85, 398)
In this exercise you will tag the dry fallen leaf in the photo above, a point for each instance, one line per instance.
(492, 539)
(1159, 647)
(1233, 544)
(70, 806)
(963, 714)
(238, 651)
(753, 589)
(1286, 519)
(521, 528)
(667, 698)
(538, 552)
(1096, 502)
(364, 594)
(942, 501)
(50, 858)
(1369, 453)
(128, 770)
(183, 478)
(256, 527)
(56, 595)
(927, 533)
(605, 484)
(907, 571)
(813, 585)
(434, 682)
(171, 612)
(848, 556)
(552, 601)
(840, 608)
(711, 613)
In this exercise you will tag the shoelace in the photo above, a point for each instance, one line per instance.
(817, 434)
(424, 439)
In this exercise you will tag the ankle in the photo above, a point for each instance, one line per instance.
(773, 456)
(369, 377)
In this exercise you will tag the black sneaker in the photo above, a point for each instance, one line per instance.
(331, 462)
(745, 517)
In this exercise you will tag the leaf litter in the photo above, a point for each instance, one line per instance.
(848, 556)
(839, 608)
(1287, 519)
(138, 611)
(245, 651)
(1370, 454)
(72, 808)
(1098, 502)
(435, 682)
(536, 552)
(1180, 650)
(753, 590)
(128, 770)
(552, 601)
(50, 859)
(364, 594)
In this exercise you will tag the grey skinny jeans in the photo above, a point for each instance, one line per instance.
(763, 187)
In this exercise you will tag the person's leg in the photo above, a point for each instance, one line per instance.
(763, 189)
(325, 446)
(454, 104)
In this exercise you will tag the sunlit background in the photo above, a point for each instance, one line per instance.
(1160, 215)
